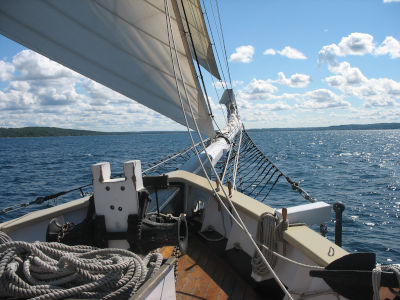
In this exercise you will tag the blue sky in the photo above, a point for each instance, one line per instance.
(292, 63)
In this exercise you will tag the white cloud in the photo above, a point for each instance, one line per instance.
(292, 53)
(389, 46)
(40, 92)
(358, 43)
(375, 91)
(277, 106)
(243, 54)
(348, 74)
(294, 81)
(33, 66)
(6, 70)
(321, 99)
(328, 54)
(257, 89)
(222, 84)
(288, 52)
(269, 52)
(390, 1)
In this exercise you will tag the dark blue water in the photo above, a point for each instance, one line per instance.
(359, 168)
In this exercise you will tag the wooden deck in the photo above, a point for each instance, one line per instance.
(203, 275)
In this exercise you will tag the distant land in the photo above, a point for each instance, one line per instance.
(54, 131)
(377, 126)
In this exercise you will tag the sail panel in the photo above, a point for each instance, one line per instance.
(191, 9)
(121, 44)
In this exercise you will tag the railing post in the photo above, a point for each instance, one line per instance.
(338, 207)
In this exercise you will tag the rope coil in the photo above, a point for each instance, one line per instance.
(269, 232)
(53, 271)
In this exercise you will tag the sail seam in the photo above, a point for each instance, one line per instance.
(138, 28)
(88, 59)
(113, 44)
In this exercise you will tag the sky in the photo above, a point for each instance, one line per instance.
(292, 64)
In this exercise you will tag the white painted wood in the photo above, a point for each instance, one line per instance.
(310, 214)
(117, 198)
(216, 218)
(239, 239)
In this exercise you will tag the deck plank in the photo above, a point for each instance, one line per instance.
(204, 275)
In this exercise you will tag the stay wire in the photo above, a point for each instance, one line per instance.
(223, 42)
(198, 67)
(241, 224)
(198, 25)
(214, 44)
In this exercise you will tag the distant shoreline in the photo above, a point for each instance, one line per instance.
(54, 131)
(377, 126)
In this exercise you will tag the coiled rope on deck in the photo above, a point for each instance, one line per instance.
(376, 278)
(44, 271)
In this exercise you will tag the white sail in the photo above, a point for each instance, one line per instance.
(193, 23)
(121, 44)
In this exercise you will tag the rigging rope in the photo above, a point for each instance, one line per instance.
(54, 271)
(237, 217)
(42, 199)
(259, 176)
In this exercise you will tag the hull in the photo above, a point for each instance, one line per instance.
(302, 244)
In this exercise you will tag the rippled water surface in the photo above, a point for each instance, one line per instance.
(359, 168)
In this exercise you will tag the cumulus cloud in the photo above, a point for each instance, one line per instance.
(294, 81)
(390, 1)
(243, 54)
(322, 99)
(374, 91)
(389, 46)
(257, 89)
(33, 66)
(348, 75)
(288, 52)
(358, 43)
(277, 106)
(36, 81)
(6, 70)
(41, 92)
(269, 52)
(292, 53)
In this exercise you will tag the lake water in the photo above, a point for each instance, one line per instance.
(359, 168)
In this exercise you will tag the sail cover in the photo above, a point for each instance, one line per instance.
(121, 44)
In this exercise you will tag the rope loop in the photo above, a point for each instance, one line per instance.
(270, 230)
(54, 271)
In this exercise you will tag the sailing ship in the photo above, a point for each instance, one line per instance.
(214, 237)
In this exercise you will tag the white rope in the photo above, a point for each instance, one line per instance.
(291, 260)
(266, 236)
(376, 281)
(56, 271)
(211, 165)
(376, 278)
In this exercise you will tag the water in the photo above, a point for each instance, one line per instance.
(359, 168)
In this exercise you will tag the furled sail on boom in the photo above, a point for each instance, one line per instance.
(121, 44)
